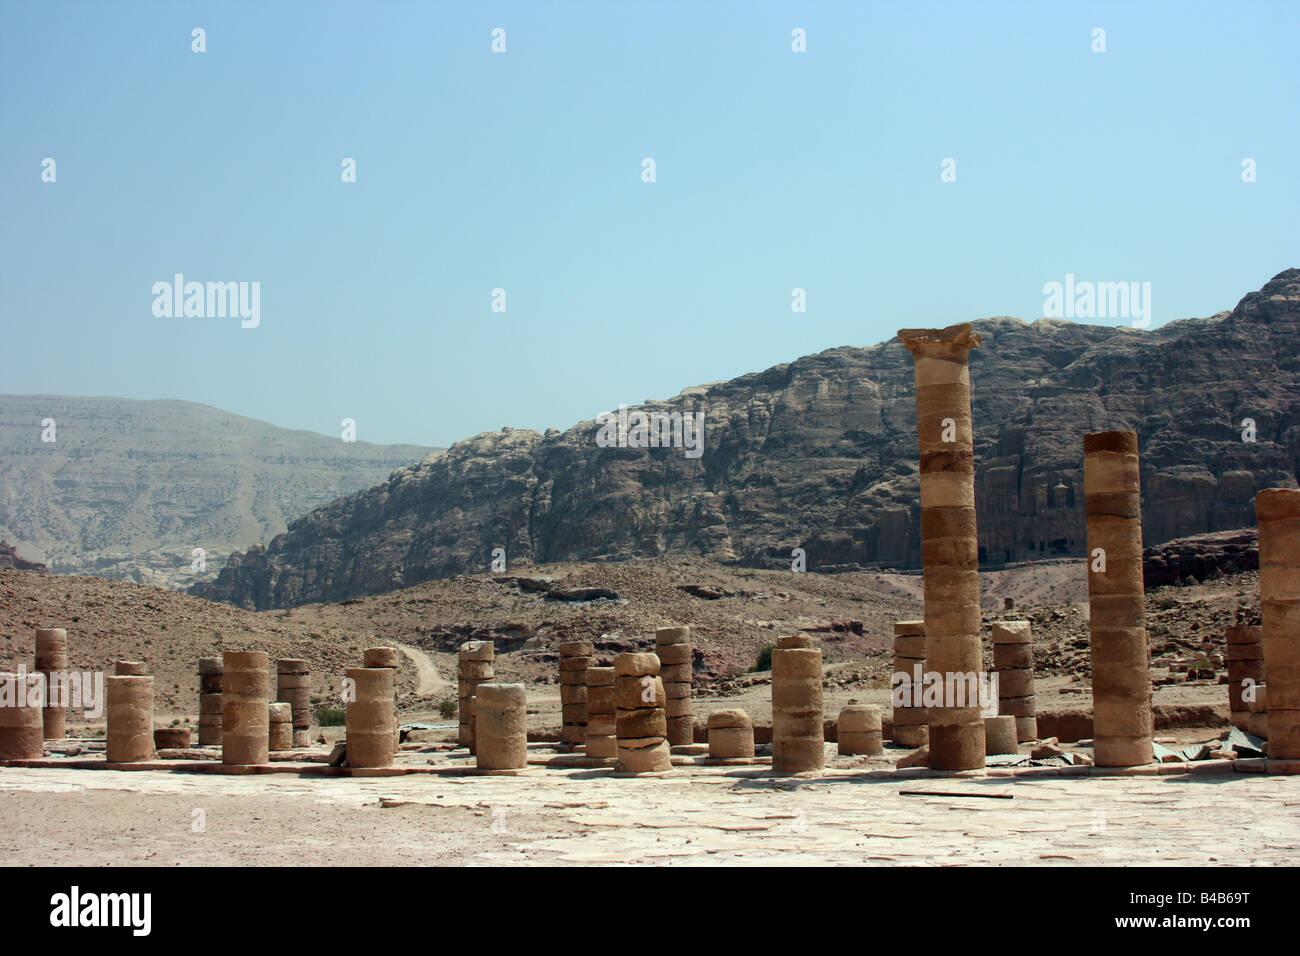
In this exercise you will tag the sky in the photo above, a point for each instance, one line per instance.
(523, 170)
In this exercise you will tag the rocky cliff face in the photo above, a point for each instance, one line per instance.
(1200, 558)
(821, 454)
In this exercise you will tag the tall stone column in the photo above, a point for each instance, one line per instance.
(1121, 658)
(1277, 512)
(52, 655)
(1245, 662)
(129, 710)
(210, 701)
(370, 718)
(245, 720)
(949, 544)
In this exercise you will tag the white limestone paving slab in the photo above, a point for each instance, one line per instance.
(693, 816)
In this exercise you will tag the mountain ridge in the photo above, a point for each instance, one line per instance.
(129, 488)
(820, 453)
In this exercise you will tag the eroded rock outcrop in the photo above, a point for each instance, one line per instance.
(1200, 557)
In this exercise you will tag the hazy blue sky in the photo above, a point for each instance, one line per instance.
(523, 170)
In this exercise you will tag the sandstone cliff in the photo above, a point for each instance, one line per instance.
(821, 453)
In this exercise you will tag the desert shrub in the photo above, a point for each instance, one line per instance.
(331, 716)
(447, 707)
(765, 658)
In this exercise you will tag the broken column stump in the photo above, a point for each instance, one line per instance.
(859, 730)
(1013, 662)
(279, 726)
(1000, 736)
(602, 732)
(909, 670)
(293, 687)
(575, 658)
(387, 657)
(673, 645)
(210, 701)
(22, 728)
(798, 729)
(171, 738)
(1245, 660)
(129, 711)
(52, 656)
(501, 726)
(731, 734)
(1277, 511)
(245, 721)
(474, 666)
(640, 720)
(371, 717)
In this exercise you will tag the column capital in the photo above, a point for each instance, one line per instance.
(955, 341)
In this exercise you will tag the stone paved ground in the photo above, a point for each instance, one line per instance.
(695, 815)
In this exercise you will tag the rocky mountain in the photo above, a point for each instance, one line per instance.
(821, 454)
(128, 489)
(1200, 557)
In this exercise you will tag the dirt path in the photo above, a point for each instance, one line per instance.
(430, 682)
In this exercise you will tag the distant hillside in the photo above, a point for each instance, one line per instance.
(129, 488)
(109, 621)
(821, 453)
